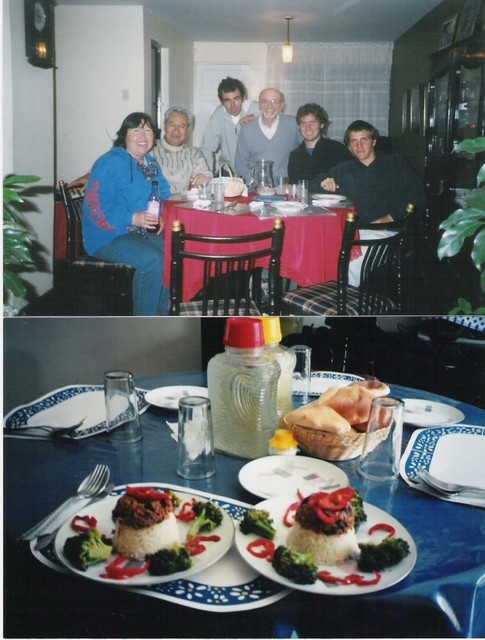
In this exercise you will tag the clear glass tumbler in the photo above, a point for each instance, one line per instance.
(381, 453)
(195, 455)
(302, 372)
(122, 419)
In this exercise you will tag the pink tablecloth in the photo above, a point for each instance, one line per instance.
(310, 249)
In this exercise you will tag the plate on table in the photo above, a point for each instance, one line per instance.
(329, 197)
(273, 476)
(102, 512)
(290, 207)
(323, 380)
(277, 508)
(66, 406)
(452, 453)
(168, 397)
(425, 413)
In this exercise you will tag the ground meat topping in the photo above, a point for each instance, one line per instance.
(308, 519)
(141, 512)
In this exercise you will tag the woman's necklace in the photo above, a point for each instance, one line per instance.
(149, 169)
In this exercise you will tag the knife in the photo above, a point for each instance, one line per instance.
(46, 538)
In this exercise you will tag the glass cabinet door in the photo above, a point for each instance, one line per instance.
(439, 114)
(467, 115)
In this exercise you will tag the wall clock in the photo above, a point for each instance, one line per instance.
(39, 32)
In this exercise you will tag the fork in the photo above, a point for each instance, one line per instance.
(45, 539)
(54, 431)
(92, 484)
(449, 488)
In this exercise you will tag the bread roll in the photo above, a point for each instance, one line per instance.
(318, 416)
(374, 386)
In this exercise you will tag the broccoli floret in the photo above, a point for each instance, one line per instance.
(259, 522)
(358, 507)
(375, 557)
(176, 501)
(297, 567)
(209, 516)
(170, 560)
(87, 548)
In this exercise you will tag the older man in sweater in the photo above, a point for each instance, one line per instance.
(271, 136)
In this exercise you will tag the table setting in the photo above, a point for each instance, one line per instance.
(437, 570)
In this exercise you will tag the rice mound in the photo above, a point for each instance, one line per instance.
(325, 549)
(138, 543)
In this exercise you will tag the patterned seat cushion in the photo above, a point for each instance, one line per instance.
(194, 308)
(321, 300)
(99, 264)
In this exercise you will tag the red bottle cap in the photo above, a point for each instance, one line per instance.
(244, 333)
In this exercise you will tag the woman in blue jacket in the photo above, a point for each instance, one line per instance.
(116, 224)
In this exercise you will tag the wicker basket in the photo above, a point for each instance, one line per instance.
(334, 446)
(233, 186)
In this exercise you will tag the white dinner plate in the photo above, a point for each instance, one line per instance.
(102, 512)
(452, 453)
(67, 406)
(323, 380)
(330, 197)
(289, 207)
(277, 508)
(273, 476)
(168, 397)
(425, 413)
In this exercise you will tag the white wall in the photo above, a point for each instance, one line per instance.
(28, 131)
(41, 355)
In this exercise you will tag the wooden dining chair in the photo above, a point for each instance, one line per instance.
(380, 290)
(232, 284)
(91, 286)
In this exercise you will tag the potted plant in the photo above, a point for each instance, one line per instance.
(468, 222)
(17, 243)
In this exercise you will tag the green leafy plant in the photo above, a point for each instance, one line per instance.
(17, 242)
(467, 222)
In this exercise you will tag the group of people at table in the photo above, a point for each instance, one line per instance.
(118, 228)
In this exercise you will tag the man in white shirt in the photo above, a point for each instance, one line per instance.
(225, 123)
(271, 136)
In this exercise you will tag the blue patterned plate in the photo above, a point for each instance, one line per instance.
(66, 406)
(228, 585)
(323, 380)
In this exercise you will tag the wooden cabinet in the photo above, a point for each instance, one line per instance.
(456, 111)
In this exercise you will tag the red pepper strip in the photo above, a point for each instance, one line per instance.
(195, 546)
(262, 548)
(148, 493)
(334, 501)
(325, 517)
(382, 526)
(289, 517)
(300, 494)
(118, 569)
(186, 513)
(90, 523)
(351, 578)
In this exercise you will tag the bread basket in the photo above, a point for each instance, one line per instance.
(233, 186)
(334, 446)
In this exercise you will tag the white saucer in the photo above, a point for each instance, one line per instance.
(285, 475)
(168, 397)
(331, 197)
(424, 413)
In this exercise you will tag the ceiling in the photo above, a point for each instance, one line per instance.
(263, 20)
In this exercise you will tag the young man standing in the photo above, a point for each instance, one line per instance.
(234, 111)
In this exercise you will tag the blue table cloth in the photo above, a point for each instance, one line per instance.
(444, 595)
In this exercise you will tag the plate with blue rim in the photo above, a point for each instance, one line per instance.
(323, 380)
(66, 406)
(229, 585)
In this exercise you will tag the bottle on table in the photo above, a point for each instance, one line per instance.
(286, 358)
(243, 385)
(154, 205)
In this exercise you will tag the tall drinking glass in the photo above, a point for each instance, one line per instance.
(122, 419)
(196, 458)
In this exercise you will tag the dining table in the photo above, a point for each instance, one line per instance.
(311, 244)
(443, 595)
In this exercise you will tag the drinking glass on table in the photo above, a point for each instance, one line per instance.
(302, 371)
(302, 190)
(381, 453)
(122, 419)
(195, 447)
